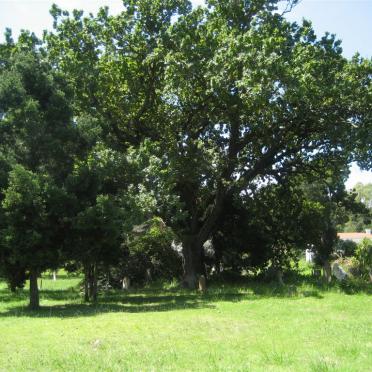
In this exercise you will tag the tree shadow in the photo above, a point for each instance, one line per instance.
(158, 299)
(143, 300)
(22, 295)
(146, 300)
(115, 301)
(130, 304)
(7, 296)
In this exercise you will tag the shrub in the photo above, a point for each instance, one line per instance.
(148, 255)
(363, 255)
(347, 247)
(355, 285)
(14, 274)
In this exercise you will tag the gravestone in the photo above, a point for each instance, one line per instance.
(126, 283)
(339, 272)
(202, 284)
(309, 255)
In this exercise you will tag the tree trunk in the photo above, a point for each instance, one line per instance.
(90, 281)
(34, 291)
(279, 276)
(94, 283)
(54, 276)
(108, 276)
(217, 257)
(193, 264)
(327, 271)
(12, 287)
(148, 276)
(202, 284)
(86, 283)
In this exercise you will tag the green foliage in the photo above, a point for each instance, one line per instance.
(38, 142)
(364, 193)
(272, 226)
(355, 284)
(347, 247)
(12, 272)
(335, 204)
(32, 210)
(360, 218)
(164, 110)
(151, 255)
(359, 72)
(98, 230)
(36, 128)
(363, 255)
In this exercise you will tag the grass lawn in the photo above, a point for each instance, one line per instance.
(242, 327)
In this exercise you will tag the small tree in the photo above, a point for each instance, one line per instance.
(31, 214)
(335, 203)
(98, 230)
(96, 182)
(37, 134)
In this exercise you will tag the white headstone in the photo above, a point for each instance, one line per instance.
(126, 283)
(309, 255)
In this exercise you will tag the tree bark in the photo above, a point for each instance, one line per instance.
(327, 271)
(279, 276)
(148, 276)
(94, 283)
(193, 265)
(86, 283)
(90, 282)
(34, 291)
(12, 287)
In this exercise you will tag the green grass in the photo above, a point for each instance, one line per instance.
(241, 327)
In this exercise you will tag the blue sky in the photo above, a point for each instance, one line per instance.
(350, 20)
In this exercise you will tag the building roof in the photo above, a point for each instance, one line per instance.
(354, 235)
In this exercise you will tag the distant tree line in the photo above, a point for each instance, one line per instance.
(360, 220)
(130, 142)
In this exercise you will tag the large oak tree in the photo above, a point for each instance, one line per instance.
(230, 96)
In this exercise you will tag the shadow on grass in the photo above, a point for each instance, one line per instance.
(116, 304)
(157, 299)
(146, 300)
(22, 295)
(7, 296)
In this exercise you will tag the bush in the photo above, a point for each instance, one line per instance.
(355, 285)
(148, 256)
(14, 274)
(363, 256)
(347, 247)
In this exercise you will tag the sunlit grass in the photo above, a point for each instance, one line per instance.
(241, 327)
